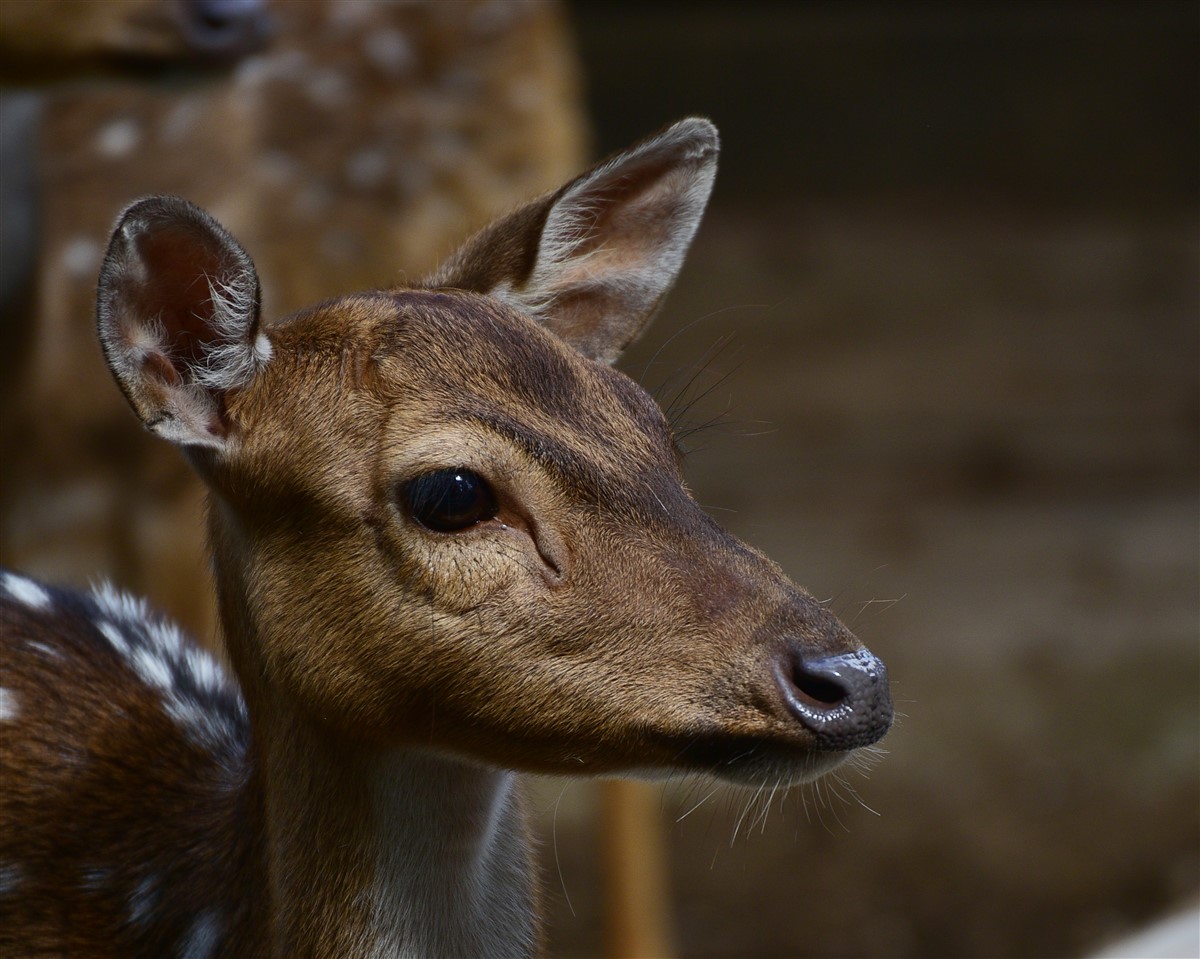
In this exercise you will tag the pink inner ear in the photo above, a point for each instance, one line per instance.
(162, 368)
(178, 263)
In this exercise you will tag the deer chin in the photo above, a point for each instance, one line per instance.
(770, 769)
(767, 768)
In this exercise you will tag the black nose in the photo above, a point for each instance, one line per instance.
(844, 700)
(226, 27)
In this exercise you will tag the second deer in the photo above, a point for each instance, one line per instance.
(450, 542)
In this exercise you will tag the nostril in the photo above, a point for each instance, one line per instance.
(817, 690)
(843, 700)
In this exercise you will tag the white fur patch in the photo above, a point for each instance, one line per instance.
(390, 51)
(25, 591)
(202, 939)
(152, 668)
(114, 636)
(9, 706)
(96, 879)
(44, 649)
(143, 900)
(11, 876)
(119, 138)
(187, 678)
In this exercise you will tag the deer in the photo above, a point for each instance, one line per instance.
(51, 41)
(452, 544)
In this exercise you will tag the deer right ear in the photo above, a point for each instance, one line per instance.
(178, 317)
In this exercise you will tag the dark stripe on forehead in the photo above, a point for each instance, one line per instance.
(644, 491)
(473, 338)
(476, 335)
(570, 466)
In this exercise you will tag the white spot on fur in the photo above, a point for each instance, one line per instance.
(390, 51)
(143, 900)
(81, 257)
(328, 88)
(203, 937)
(114, 636)
(204, 669)
(118, 605)
(11, 877)
(26, 591)
(181, 120)
(96, 879)
(45, 649)
(9, 707)
(285, 66)
(163, 658)
(367, 168)
(118, 138)
(151, 668)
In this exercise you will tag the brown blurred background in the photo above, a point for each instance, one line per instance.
(953, 260)
(945, 311)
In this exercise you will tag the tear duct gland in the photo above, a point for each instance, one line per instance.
(450, 541)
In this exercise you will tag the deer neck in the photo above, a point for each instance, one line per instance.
(386, 852)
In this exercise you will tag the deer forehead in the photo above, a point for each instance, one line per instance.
(398, 365)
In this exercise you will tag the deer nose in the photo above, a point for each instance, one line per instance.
(843, 700)
(226, 27)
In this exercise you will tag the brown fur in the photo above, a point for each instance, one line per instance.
(54, 40)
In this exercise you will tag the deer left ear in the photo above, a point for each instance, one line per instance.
(593, 261)
(178, 317)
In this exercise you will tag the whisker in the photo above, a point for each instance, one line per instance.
(741, 818)
(554, 841)
(698, 805)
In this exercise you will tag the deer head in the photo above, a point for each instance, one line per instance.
(440, 517)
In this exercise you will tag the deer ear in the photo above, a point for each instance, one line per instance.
(178, 317)
(593, 261)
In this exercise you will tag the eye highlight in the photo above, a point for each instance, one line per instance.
(447, 501)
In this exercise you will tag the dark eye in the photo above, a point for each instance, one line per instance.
(449, 500)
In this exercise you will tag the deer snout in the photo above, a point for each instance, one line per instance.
(226, 28)
(843, 700)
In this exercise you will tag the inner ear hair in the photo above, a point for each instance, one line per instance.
(178, 311)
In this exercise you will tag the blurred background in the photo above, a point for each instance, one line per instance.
(941, 327)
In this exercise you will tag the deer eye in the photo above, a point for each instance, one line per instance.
(449, 500)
